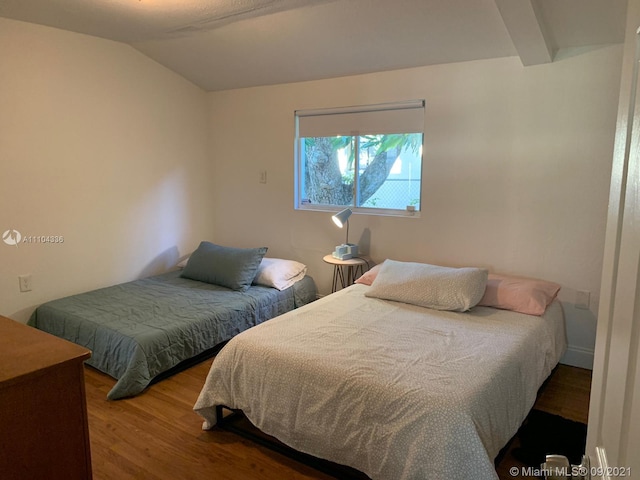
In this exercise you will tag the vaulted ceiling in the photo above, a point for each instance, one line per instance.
(222, 44)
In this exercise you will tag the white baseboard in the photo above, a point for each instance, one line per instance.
(578, 357)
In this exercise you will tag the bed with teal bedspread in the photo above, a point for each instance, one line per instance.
(140, 329)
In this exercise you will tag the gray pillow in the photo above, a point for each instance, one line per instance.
(229, 267)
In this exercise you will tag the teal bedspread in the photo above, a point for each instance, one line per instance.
(139, 329)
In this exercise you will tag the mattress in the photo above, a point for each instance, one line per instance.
(394, 390)
(139, 329)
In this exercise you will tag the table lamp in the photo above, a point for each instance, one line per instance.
(346, 250)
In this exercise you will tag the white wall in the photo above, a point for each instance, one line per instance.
(109, 149)
(517, 165)
(103, 146)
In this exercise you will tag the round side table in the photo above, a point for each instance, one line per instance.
(345, 272)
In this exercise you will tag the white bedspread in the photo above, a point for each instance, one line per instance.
(394, 390)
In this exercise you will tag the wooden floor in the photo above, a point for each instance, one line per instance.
(566, 393)
(157, 435)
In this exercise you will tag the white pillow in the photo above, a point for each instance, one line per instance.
(182, 263)
(279, 273)
(431, 286)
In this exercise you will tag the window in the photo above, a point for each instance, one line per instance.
(368, 158)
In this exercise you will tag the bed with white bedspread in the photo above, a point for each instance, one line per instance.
(397, 391)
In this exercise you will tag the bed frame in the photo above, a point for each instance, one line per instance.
(236, 422)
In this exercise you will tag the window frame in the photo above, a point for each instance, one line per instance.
(299, 170)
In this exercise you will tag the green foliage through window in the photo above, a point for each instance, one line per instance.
(388, 170)
(361, 157)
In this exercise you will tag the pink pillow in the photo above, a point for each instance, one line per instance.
(524, 295)
(369, 276)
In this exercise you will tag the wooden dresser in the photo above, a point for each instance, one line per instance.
(43, 410)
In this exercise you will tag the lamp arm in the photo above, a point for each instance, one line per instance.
(347, 242)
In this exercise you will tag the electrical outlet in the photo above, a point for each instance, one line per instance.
(582, 299)
(25, 282)
(263, 176)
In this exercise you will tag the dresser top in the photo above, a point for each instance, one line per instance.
(25, 351)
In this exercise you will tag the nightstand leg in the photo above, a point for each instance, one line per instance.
(357, 272)
(336, 273)
(353, 272)
(341, 274)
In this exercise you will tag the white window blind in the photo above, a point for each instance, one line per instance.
(391, 118)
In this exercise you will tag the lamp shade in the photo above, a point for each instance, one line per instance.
(341, 218)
